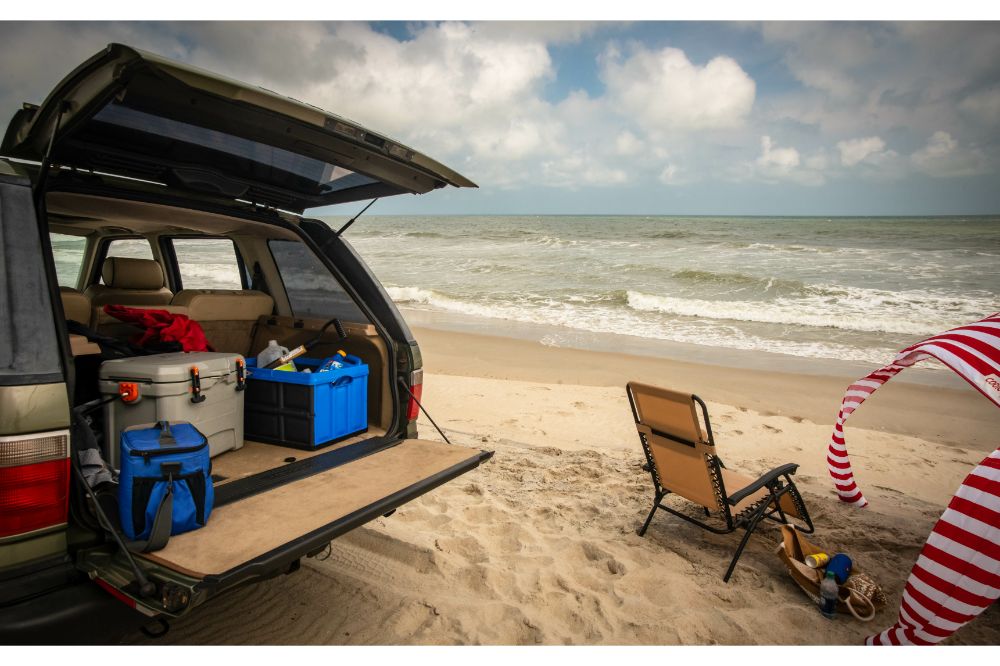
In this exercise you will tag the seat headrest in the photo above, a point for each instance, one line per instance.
(126, 273)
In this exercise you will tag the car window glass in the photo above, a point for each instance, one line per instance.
(207, 263)
(312, 290)
(68, 254)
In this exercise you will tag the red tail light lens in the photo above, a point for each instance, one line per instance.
(417, 389)
(34, 482)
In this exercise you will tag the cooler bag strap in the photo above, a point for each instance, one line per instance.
(159, 535)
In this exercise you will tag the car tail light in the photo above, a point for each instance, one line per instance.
(34, 481)
(417, 389)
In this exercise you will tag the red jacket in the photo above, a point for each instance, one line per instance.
(162, 326)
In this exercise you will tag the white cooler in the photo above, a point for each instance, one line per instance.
(168, 390)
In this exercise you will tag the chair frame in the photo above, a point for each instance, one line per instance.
(778, 483)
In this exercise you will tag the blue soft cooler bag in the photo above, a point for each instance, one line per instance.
(165, 484)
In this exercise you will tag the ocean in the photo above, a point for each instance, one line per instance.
(856, 289)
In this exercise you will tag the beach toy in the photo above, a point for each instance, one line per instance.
(840, 566)
(817, 560)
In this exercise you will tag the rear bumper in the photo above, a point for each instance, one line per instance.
(79, 613)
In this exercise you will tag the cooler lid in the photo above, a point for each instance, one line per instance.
(170, 368)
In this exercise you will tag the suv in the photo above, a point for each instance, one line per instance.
(135, 154)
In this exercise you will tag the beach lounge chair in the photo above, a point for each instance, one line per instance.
(681, 459)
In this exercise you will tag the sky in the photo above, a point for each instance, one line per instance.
(651, 118)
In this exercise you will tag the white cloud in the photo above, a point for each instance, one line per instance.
(943, 157)
(853, 151)
(663, 90)
(983, 105)
(670, 175)
(779, 158)
(627, 143)
(776, 164)
(578, 169)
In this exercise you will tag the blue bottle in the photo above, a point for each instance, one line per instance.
(828, 591)
(334, 362)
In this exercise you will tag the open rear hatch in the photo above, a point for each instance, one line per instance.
(135, 114)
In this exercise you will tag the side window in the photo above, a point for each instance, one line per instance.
(207, 263)
(68, 254)
(312, 290)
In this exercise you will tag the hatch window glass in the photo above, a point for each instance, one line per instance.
(315, 175)
(313, 291)
(207, 263)
(68, 254)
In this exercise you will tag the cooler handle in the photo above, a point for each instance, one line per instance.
(196, 395)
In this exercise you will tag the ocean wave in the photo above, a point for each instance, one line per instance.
(845, 308)
(766, 284)
(672, 234)
(607, 317)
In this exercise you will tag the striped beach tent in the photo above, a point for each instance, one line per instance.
(957, 574)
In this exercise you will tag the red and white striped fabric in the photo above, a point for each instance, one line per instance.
(957, 574)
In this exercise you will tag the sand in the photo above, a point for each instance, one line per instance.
(539, 545)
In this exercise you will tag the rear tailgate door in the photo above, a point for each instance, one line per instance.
(136, 114)
(256, 535)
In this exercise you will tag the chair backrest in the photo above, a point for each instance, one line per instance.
(681, 452)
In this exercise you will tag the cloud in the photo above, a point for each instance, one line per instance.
(822, 58)
(943, 157)
(627, 143)
(778, 158)
(671, 175)
(664, 90)
(983, 105)
(853, 151)
(777, 164)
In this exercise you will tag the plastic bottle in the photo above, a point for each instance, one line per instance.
(334, 362)
(272, 352)
(828, 591)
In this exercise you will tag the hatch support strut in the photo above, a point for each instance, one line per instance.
(351, 221)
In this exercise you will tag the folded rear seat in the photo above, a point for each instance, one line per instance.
(228, 317)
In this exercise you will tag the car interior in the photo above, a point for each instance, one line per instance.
(240, 320)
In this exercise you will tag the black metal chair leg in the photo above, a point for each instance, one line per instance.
(751, 526)
(649, 518)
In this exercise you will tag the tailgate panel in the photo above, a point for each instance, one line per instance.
(258, 525)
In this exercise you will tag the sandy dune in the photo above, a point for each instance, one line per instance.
(539, 544)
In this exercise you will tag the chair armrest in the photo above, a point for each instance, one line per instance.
(762, 482)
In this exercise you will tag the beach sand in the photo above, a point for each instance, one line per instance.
(539, 545)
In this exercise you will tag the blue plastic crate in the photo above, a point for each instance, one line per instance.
(306, 410)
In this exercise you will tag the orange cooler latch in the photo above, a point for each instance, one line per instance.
(129, 392)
